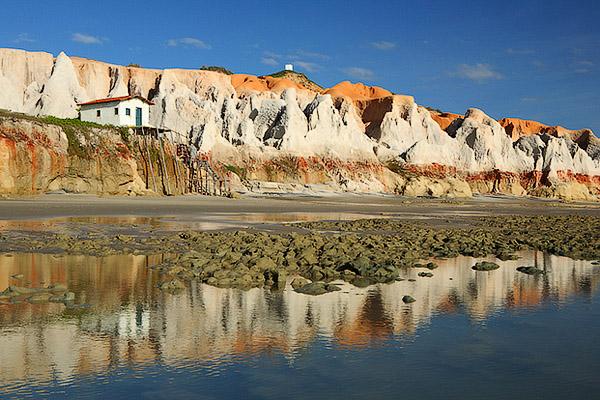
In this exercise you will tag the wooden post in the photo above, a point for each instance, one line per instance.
(145, 162)
(176, 166)
(163, 164)
(149, 159)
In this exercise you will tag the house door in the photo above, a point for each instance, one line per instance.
(138, 116)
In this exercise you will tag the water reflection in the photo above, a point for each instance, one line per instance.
(132, 324)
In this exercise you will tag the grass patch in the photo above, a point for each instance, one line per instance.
(297, 76)
(216, 68)
(73, 127)
(239, 171)
(398, 167)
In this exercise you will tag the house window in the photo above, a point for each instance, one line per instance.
(128, 111)
(98, 113)
(116, 110)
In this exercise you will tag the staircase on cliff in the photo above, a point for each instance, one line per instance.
(171, 168)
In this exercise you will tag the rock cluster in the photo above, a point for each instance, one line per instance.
(55, 293)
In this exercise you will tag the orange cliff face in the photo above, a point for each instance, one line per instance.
(445, 119)
(516, 128)
(357, 91)
(249, 83)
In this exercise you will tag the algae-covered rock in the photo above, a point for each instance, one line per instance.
(430, 266)
(40, 297)
(172, 285)
(299, 281)
(317, 288)
(408, 299)
(425, 274)
(485, 266)
(19, 290)
(530, 270)
(362, 282)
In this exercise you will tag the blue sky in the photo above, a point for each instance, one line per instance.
(531, 59)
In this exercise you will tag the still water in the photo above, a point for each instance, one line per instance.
(470, 335)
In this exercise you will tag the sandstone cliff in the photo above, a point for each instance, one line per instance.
(349, 137)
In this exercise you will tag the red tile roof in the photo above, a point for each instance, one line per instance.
(115, 99)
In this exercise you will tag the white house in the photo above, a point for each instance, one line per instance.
(119, 111)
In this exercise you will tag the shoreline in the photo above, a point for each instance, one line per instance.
(262, 242)
(78, 205)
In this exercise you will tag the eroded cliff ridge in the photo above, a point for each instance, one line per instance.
(286, 129)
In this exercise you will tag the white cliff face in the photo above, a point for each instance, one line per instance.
(61, 92)
(492, 147)
(205, 107)
(22, 75)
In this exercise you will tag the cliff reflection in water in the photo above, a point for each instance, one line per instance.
(130, 323)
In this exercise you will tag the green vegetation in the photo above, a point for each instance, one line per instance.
(239, 171)
(216, 68)
(289, 165)
(435, 110)
(297, 77)
(73, 127)
(70, 122)
(134, 66)
(398, 167)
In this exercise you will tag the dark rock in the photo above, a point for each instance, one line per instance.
(317, 288)
(299, 281)
(408, 299)
(361, 282)
(530, 270)
(485, 266)
(425, 274)
(431, 266)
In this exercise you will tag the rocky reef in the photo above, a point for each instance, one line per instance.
(287, 130)
(361, 252)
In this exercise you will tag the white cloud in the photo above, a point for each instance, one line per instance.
(308, 66)
(477, 72)
(85, 39)
(586, 63)
(297, 57)
(24, 38)
(309, 54)
(188, 42)
(383, 45)
(359, 73)
(583, 67)
(269, 61)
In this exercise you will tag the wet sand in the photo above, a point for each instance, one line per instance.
(187, 208)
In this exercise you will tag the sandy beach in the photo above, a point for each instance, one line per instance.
(197, 207)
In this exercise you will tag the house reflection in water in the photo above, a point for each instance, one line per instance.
(131, 323)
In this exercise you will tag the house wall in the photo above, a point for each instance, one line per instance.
(107, 113)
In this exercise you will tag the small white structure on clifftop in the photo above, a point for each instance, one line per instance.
(289, 67)
(119, 111)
